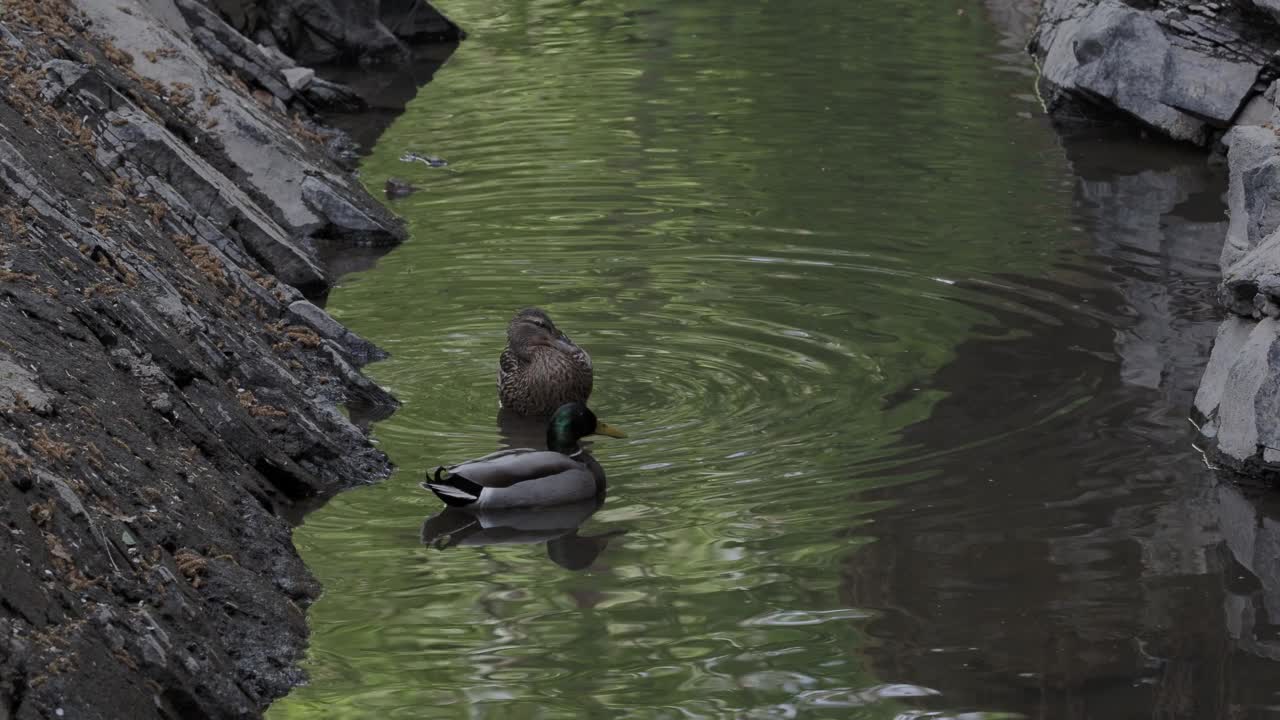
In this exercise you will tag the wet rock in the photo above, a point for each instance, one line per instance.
(1239, 389)
(1253, 209)
(360, 350)
(333, 96)
(353, 222)
(327, 31)
(258, 151)
(397, 188)
(1270, 6)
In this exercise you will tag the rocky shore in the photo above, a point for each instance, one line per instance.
(1203, 73)
(169, 393)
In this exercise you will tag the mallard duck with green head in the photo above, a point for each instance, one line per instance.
(541, 368)
(525, 477)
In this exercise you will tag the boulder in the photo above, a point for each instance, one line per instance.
(1251, 247)
(335, 31)
(299, 77)
(358, 350)
(397, 188)
(1098, 57)
(1271, 7)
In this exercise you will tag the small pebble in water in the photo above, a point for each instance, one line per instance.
(397, 188)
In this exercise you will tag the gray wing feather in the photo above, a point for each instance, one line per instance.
(506, 468)
(568, 486)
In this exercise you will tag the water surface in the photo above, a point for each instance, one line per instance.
(905, 379)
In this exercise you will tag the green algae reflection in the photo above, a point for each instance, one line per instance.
(768, 222)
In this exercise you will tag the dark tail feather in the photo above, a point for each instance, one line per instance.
(454, 490)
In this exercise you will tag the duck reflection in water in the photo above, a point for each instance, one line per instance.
(556, 526)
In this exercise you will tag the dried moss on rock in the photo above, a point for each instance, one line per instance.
(167, 392)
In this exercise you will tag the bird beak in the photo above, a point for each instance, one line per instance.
(604, 428)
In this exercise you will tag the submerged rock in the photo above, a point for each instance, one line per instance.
(397, 188)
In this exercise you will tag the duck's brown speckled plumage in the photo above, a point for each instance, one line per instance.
(541, 368)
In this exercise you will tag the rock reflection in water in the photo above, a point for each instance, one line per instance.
(1086, 568)
(556, 526)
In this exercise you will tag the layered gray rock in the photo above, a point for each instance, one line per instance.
(259, 151)
(167, 395)
(327, 31)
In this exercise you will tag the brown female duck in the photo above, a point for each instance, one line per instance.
(541, 369)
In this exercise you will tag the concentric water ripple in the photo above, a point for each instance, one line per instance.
(770, 233)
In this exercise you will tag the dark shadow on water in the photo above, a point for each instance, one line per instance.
(1071, 555)
(557, 527)
(518, 431)
(386, 92)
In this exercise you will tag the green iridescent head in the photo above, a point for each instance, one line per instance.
(572, 422)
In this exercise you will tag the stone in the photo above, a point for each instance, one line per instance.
(1257, 111)
(1113, 55)
(342, 215)
(19, 384)
(277, 58)
(69, 496)
(315, 32)
(1205, 86)
(60, 76)
(333, 96)
(361, 351)
(1271, 7)
(397, 188)
(1251, 208)
(233, 51)
(211, 193)
(299, 77)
